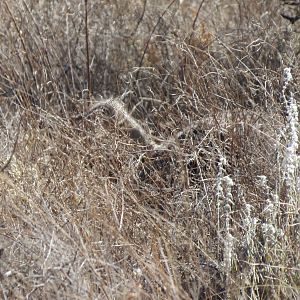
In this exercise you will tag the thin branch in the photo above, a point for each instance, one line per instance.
(14, 148)
(152, 32)
(87, 49)
(22, 41)
(195, 20)
(140, 19)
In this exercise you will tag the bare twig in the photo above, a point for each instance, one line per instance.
(140, 19)
(22, 41)
(195, 20)
(14, 148)
(88, 73)
(151, 34)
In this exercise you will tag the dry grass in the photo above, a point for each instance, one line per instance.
(167, 170)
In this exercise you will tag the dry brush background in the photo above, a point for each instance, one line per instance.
(166, 169)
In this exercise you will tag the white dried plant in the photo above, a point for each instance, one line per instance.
(224, 196)
(290, 163)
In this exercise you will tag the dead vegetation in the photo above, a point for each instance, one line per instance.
(167, 169)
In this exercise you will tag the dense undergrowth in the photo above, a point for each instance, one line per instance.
(152, 154)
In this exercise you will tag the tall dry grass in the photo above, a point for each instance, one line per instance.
(149, 150)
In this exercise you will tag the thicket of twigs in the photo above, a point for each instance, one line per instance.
(149, 150)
